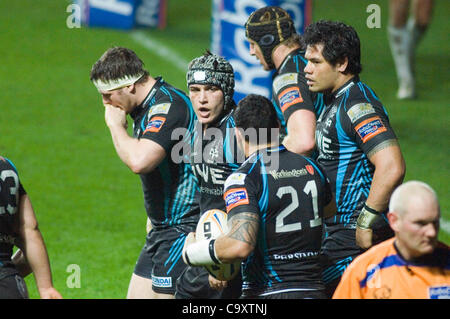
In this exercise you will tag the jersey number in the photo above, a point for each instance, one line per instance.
(310, 188)
(13, 191)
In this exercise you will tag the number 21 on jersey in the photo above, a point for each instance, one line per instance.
(310, 188)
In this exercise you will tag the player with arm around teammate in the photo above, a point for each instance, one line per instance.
(19, 227)
(276, 44)
(357, 146)
(275, 203)
(169, 187)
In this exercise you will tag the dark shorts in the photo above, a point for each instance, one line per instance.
(12, 285)
(160, 259)
(194, 284)
(339, 249)
(306, 294)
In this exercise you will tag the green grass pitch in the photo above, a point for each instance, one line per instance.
(89, 205)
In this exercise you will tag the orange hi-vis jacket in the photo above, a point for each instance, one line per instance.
(381, 273)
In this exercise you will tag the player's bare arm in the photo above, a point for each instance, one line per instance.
(140, 155)
(389, 173)
(240, 240)
(32, 244)
(301, 128)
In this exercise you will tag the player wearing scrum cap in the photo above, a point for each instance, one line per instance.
(214, 157)
(275, 43)
(170, 188)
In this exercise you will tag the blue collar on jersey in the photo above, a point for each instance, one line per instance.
(150, 95)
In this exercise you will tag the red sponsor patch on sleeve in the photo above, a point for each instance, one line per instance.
(289, 97)
(235, 197)
(369, 128)
(155, 124)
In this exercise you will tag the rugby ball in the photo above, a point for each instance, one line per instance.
(211, 225)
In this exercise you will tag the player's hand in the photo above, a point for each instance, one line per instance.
(115, 116)
(364, 237)
(190, 239)
(217, 284)
(49, 293)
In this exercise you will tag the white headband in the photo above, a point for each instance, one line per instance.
(116, 84)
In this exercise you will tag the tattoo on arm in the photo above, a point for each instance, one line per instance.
(382, 146)
(244, 227)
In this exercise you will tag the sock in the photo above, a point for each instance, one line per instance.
(401, 44)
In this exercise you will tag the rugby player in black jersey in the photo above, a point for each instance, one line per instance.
(357, 146)
(214, 156)
(169, 187)
(275, 43)
(276, 202)
(19, 227)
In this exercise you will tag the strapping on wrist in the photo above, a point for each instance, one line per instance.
(367, 217)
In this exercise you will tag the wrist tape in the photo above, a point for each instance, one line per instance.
(201, 253)
(367, 217)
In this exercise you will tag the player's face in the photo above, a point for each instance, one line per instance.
(255, 50)
(417, 229)
(208, 102)
(321, 76)
(118, 98)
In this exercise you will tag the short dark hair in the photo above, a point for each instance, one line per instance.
(116, 63)
(256, 111)
(339, 41)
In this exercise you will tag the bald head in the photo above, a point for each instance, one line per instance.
(412, 195)
(414, 216)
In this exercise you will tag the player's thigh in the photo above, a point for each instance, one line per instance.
(141, 288)
(160, 260)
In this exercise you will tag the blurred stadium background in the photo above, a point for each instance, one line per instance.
(88, 204)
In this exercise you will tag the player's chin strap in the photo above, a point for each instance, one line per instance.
(201, 253)
(367, 217)
(117, 83)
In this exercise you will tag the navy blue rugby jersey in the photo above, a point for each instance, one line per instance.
(10, 192)
(214, 156)
(288, 192)
(290, 91)
(170, 190)
(353, 126)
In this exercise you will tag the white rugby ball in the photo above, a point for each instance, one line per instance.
(211, 225)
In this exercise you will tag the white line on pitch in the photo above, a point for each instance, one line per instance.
(160, 49)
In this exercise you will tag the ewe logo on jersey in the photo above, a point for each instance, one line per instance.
(155, 124)
(235, 197)
(370, 128)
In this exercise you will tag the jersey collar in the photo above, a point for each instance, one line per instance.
(141, 107)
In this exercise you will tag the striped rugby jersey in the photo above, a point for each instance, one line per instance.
(170, 190)
(353, 125)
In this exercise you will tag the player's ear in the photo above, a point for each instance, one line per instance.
(342, 65)
(393, 219)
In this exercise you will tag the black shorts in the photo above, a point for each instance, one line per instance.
(12, 285)
(339, 249)
(160, 259)
(295, 294)
(194, 284)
